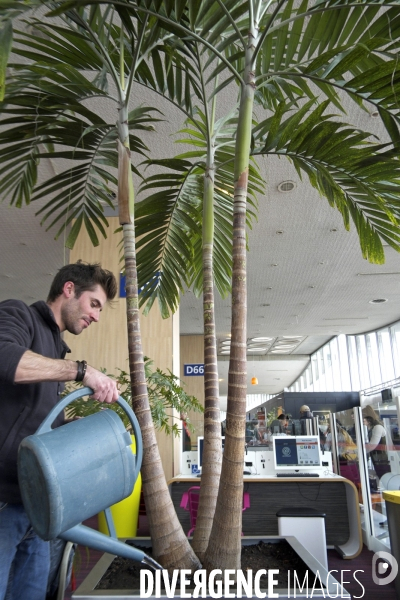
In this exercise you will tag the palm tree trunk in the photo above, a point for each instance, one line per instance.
(212, 452)
(170, 544)
(224, 548)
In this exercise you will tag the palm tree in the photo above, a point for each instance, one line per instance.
(85, 56)
(212, 427)
(210, 174)
(294, 60)
(291, 55)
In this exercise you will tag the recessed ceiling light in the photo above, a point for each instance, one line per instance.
(274, 264)
(265, 305)
(278, 351)
(333, 229)
(380, 273)
(286, 186)
(344, 318)
(279, 232)
(281, 346)
(378, 301)
(261, 339)
(374, 114)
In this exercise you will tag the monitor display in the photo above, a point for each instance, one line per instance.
(200, 446)
(297, 453)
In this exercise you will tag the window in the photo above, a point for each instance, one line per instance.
(353, 363)
(385, 355)
(373, 359)
(344, 361)
(361, 350)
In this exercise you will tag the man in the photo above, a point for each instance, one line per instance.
(305, 414)
(279, 425)
(32, 375)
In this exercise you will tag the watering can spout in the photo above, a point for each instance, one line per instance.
(150, 562)
(80, 534)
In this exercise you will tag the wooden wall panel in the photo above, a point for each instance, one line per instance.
(192, 351)
(177, 444)
(105, 344)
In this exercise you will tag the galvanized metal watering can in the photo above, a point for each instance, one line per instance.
(72, 472)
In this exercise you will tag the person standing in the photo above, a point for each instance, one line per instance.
(305, 414)
(376, 447)
(33, 369)
(279, 425)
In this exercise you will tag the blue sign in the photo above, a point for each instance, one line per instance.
(122, 290)
(195, 370)
(145, 290)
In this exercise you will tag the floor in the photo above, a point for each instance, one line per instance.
(356, 574)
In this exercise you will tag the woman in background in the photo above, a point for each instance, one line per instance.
(346, 447)
(376, 430)
(376, 447)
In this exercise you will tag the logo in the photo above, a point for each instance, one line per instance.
(286, 451)
(384, 564)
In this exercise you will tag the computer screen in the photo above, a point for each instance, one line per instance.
(297, 453)
(200, 447)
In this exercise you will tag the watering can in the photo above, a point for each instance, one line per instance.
(72, 472)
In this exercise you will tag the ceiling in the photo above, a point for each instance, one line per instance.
(307, 280)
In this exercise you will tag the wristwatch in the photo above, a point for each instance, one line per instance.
(82, 366)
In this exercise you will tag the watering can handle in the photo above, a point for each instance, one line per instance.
(86, 391)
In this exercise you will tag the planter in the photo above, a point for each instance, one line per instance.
(125, 513)
(87, 590)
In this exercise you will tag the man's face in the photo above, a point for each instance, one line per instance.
(78, 313)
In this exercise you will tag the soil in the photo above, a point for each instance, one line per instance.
(124, 574)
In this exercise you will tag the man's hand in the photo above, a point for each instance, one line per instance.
(104, 388)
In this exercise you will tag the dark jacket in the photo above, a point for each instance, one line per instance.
(23, 407)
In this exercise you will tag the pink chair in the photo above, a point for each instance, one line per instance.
(190, 502)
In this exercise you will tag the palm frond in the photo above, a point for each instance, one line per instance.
(330, 48)
(166, 221)
(357, 177)
(176, 210)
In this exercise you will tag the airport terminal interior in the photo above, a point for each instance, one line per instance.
(323, 357)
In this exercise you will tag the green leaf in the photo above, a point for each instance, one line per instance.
(5, 49)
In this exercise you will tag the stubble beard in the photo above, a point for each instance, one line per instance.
(72, 320)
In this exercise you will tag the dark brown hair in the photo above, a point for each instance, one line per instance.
(85, 277)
